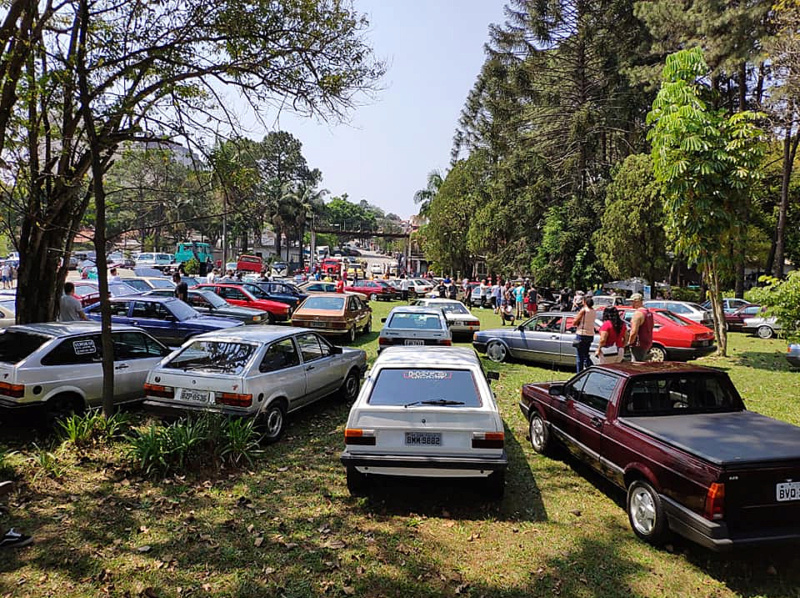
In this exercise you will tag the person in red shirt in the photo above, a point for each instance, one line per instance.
(641, 336)
(613, 333)
(340, 286)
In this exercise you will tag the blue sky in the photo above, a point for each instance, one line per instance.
(434, 49)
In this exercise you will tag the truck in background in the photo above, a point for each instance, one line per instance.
(192, 249)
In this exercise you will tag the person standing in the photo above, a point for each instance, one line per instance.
(181, 288)
(6, 275)
(494, 294)
(531, 302)
(340, 285)
(114, 276)
(452, 289)
(584, 334)
(519, 299)
(641, 337)
(613, 332)
(405, 285)
(212, 275)
(69, 307)
(484, 293)
(441, 289)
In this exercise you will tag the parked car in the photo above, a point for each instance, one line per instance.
(679, 440)
(144, 284)
(729, 305)
(159, 261)
(245, 295)
(425, 412)
(210, 304)
(793, 355)
(420, 286)
(281, 291)
(280, 269)
(8, 313)
(685, 309)
(372, 289)
(389, 290)
(168, 319)
(459, 318)
(87, 293)
(414, 326)
(603, 301)
(735, 320)
(314, 287)
(331, 266)
(57, 366)
(674, 337)
(761, 326)
(249, 263)
(341, 314)
(545, 338)
(265, 372)
(115, 289)
(376, 268)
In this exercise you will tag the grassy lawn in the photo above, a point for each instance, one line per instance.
(288, 527)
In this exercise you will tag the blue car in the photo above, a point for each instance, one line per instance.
(168, 319)
(285, 292)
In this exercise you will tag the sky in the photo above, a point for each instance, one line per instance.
(434, 51)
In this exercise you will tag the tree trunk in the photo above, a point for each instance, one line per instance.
(789, 152)
(38, 274)
(740, 259)
(720, 329)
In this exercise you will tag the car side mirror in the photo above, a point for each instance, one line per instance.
(383, 320)
(556, 390)
(521, 327)
(335, 350)
(492, 375)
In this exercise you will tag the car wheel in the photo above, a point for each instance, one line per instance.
(357, 482)
(351, 334)
(765, 332)
(273, 422)
(496, 351)
(270, 318)
(540, 435)
(646, 513)
(64, 406)
(495, 485)
(368, 327)
(657, 353)
(350, 387)
(373, 297)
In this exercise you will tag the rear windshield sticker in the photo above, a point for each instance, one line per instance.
(427, 375)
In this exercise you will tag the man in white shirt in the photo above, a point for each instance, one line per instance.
(70, 308)
(114, 276)
(495, 294)
(211, 276)
(405, 285)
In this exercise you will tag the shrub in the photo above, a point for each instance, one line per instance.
(92, 426)
(782, 300)
(240, 441)
(191, 266)
(47, 464)
(684, 294)
(148, 449)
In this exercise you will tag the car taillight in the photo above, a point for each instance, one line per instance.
(16, 391)
(233, 399)
(446, 341)
(495, 440)
(156, 390)
(358, 436)
(715, 502)
(382, 340)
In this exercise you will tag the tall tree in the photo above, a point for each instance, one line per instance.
(423, 197)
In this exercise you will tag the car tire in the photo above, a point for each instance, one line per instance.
(765, 332)
(270, 318)
(357, 482)
(657, 353)
(350, 387)
(368, 326)
(64, 406)
(273, 422)
(373, 297)
(496, 351)
(494, 487)
(646, 513)
(540, 435)
(351, 334)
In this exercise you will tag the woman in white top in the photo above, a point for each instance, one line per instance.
(584, 325)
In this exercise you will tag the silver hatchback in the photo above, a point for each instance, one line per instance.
(58, 366)
(414, 326)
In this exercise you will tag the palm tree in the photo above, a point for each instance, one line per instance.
(425, 196)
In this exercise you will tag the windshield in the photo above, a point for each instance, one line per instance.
(675, 319)
(145, 256)
(214, 299)
(451, 388)
(331, 303)
(16, 345)
(256, 291)
(453, 308)
(687, 393)
(120, 289)
(213, 356)
(181, 310)
(416, 321)
(159, 283)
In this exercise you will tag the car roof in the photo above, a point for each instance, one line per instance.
(439, 301)
(150, 298)
(62, 329)
(427, 357)
(264, 333)
(414, 309)
(633, 369)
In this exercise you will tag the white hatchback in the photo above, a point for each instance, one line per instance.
(426, 412)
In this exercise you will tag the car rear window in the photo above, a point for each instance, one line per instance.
(453, 308)
(213, 356)
(672, 395)
(413, 321)
(16, 346)
(412, 387)
(162, 284)
(675, 319)
(332, 303)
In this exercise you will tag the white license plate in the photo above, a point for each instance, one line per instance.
(318, 324)
(787, 491)
(202, 396)
(414, 343)
(423, 439)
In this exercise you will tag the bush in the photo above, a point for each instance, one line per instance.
(47, 464)
(684, 294)
(191, 266)
(92, 426)
(782, 300)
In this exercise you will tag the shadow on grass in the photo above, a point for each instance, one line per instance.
(772, 361)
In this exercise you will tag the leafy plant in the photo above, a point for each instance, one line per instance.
(78, 429)
(114, 427)
(182, 439)
(6, 469)
(240, 441)
(782, 300)
(149, 450)
(47, 464)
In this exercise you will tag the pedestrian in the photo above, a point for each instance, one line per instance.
(584, 334)
(641, 336)
(613, 333)
(484, 293)
(340, 285)
(114, 276)
(69, 307)
(531, 305)
(452, 289)
(519, 299)
(494, 294)
(6, 275)
(405, 285)
(442, 289)
(181, 288)
(212, 275)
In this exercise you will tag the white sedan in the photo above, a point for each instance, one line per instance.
(425, 412)
(459, 318)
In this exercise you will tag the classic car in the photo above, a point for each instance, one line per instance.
(57, 366)
(459, 318)
(159, 261)
(389, 290)
(679, 440)
(248, 295)
(735, 319)
(372, 289)
(334, 313)
(210, 304)
(168, 319)
(793, 355)
(729, 305)
(545, 338)
(414, 326)
(602, 301)
(426, 412)
(115, 289)
(280, 269)
(282, 292)
(762, 326)
(685, 309)
(675, 338)
(249, 263)
(314, 287)
(264, 372)
(148, 283)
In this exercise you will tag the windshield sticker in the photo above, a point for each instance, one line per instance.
(427, 375)
(84, 347)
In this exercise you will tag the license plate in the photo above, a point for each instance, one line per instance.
(415, 343)
(787, 491)
(423, 439)
(196, 395)
(318, 324)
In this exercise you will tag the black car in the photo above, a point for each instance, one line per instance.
(209, 303)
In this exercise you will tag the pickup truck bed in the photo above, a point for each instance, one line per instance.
(724, 439)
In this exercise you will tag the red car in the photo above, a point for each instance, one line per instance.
(674, 337)
(249, 263)
(237, 295)
(735, 320)
(331, 266)
(372, 289)
(86, 293)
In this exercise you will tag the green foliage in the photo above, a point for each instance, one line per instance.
(685, 294)
(92, 426)
(240, 441)
(782, 300)
(191, 266)
(6, 468)
(47, 464)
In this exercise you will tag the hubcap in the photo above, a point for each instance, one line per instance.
(764, 332)
(656, 354)
(351, 385)
(497, 352)
(643, 511)
(537, 432)
(274, 422)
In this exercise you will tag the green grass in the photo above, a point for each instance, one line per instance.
(286, 526)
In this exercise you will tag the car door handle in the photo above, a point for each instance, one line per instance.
(554, 337)
(309, 368)
(122, 366)
(596, 422)
(135, 323)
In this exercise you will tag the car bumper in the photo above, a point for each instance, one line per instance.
(687, 353)
(12, 406)
(716, 536)
(526, 409)
(424, 466)
(479, 346)
(793, 360)
(171, 408)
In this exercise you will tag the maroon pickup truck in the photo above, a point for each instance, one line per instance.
(678, 438)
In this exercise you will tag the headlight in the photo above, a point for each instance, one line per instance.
(256, 318)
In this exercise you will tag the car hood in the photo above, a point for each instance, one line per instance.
(213, 321)
(234, 310)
